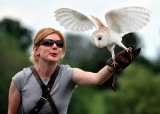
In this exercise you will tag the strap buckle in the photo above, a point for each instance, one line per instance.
(43, 98)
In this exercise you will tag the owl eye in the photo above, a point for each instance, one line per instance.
(99, 38)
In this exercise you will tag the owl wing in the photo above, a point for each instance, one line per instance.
(127, 19)
(74, 20)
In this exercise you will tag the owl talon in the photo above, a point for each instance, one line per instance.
(114, 64)
(129, 49)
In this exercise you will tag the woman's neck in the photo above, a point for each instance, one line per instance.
(45, 70)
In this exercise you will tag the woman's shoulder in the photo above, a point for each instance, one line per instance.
(66, 70)
(21, 77)
(23, 73)
(65, 67)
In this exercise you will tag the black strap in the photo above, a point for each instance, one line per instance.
(114, 80)
(45, 91)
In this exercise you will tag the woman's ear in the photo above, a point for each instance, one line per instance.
(36, 51)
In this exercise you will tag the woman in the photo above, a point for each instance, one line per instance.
(49, 48)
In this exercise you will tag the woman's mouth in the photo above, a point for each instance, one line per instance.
(53, 54)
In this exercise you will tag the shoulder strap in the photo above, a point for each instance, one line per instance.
(45, 91)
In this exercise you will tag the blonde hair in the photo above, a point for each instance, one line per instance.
(40, 36)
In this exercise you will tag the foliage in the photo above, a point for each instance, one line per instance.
(16, 32)
(87, 100)
(138, 92)
(12, 60)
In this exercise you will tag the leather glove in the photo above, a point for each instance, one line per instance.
(123, 59)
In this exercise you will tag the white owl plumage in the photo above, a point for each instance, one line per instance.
(119, 22)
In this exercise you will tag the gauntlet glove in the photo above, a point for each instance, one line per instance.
(123, 59)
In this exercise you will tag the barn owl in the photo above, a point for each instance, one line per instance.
(119, 22)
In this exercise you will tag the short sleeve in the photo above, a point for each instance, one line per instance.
(17, 79)
(21, 78)
(68, 73)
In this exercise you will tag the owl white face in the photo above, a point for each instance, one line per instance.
(99, 39)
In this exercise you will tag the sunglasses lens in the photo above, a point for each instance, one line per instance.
(59, 43)
(50, 43)
(47, 43)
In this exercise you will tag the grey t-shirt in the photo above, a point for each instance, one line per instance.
(30, 90)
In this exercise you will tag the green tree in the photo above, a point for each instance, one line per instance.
(13, 58)
(16, 32)
(138, 92)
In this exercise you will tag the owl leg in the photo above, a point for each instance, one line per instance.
(114, 61)
(127, 49)
(111, 49)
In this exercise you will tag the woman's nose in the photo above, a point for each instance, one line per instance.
(54, 46)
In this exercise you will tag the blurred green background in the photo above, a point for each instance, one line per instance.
(137, 86)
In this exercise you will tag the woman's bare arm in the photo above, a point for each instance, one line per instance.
(14, 99)
(81, 77)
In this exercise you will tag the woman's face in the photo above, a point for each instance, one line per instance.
(51, 54)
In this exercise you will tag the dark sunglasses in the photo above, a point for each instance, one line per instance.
(49, 43)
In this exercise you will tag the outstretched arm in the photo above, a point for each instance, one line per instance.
(123, 59)
(84, 78)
